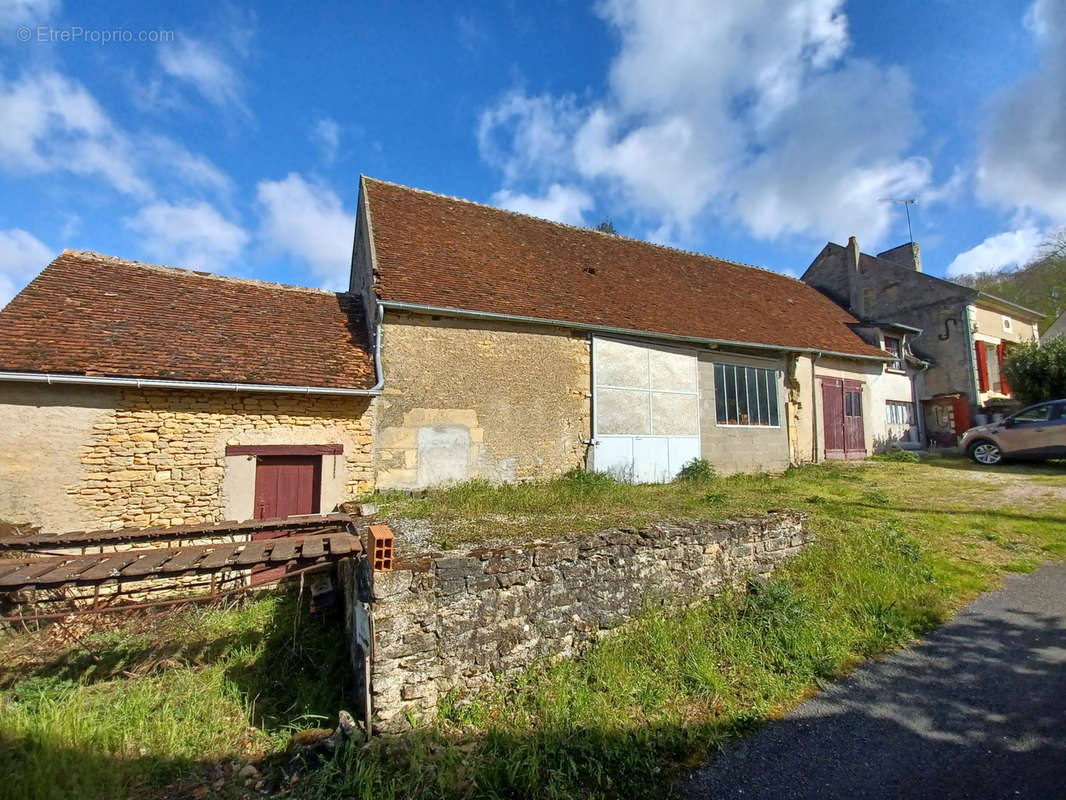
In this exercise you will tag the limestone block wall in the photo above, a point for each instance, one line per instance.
(159, 457)
(458, 620)
(77, 458)
(465, 399)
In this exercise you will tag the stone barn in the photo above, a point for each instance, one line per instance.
(135, 395)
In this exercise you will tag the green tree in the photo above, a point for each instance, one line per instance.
(1037, 372)
(606, 227)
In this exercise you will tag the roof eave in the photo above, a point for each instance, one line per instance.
(158, 383)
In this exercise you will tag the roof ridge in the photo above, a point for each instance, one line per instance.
(188, 272)
(568, 226)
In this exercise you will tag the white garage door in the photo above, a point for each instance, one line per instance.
(646, 410)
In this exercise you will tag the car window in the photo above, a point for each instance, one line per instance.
(1035, 414)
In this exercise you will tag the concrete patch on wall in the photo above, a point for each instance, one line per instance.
(742, 448)
(443, 454)
(459, 620)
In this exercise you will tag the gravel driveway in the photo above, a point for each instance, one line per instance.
(976, 711)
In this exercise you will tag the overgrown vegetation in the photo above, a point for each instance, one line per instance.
(698, 470)
(151, 709)
(1037, 372)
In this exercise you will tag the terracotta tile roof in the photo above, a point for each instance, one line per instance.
(91, 314)
(442, 251)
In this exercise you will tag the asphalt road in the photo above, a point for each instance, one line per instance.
(976, 711)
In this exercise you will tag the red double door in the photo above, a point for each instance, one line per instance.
(284, 486)
(845, 436)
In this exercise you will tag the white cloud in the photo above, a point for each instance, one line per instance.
(326, 134)
(190, 169)
(561, 203)
(49, 122)
(26, 12)
(1022, 161)
(309, 222)
(753, 112)
(524, 136)
(192, 235)
(22, 256)
(205, 68)
(1010, 249)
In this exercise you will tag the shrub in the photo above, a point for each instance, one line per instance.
(696, 470)
(1037, 372)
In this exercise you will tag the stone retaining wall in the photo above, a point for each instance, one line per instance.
(459, 620)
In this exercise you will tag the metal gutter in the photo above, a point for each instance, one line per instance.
(630, 332)
(155, 383)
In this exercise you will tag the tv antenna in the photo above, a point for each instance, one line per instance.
(907, 203)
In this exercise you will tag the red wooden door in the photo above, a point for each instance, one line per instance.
(284, 486)
(845, 435)
(833, 417)
(854, 433)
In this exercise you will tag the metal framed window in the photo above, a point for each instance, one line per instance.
(745, 396)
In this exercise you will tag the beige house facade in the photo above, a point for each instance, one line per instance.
(958, 334)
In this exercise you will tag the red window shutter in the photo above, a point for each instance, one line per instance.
(982, 366)
(1001, 351)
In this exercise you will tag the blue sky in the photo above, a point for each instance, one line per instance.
(753, 131)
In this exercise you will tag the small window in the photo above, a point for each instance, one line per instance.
(852, 404)
(895, 347)
(899, 413)
(745, 395)
(1007, 323)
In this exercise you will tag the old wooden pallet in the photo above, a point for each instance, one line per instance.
(169, 562)
(219, 530)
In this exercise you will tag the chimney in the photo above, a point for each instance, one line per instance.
(852, 258)
(906, 255)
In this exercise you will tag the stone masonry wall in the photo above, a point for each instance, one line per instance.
(466, 399)
(158, 457)
(459, 620)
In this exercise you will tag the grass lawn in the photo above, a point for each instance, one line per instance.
(168, 705)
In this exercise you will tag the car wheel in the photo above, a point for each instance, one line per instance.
(986, 453)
